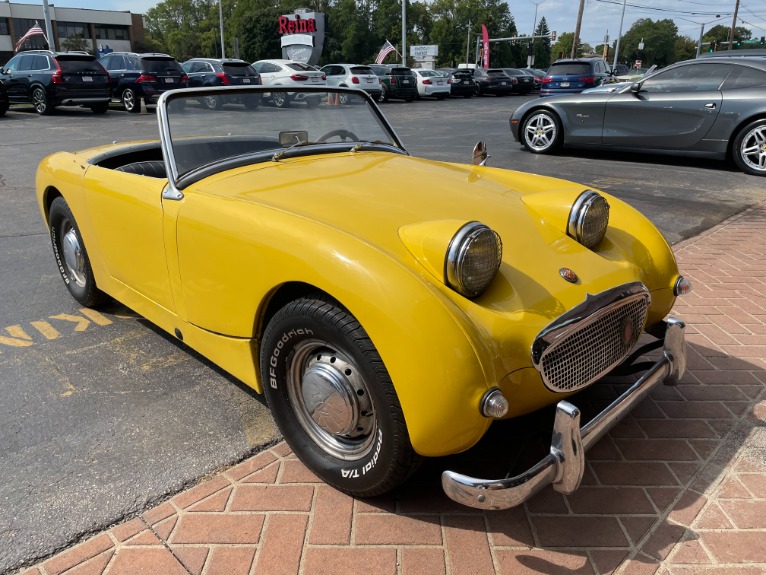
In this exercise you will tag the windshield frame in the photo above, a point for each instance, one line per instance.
(177, 181)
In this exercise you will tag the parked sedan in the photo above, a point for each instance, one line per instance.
(492, 81)
(522, 82)
(384, 323)
(462, 84)
(711, 108)
(353, 76)
(290, 73)
(220, 72)
(432, 84)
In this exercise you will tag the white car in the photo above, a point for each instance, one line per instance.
(432, 83)
(353, 76)
(290, 73)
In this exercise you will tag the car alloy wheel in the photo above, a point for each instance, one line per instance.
(212, 102)
(130, 101)
(40, 101)
(749, 148)
(333, 400)
(280, 99)
(541, 132)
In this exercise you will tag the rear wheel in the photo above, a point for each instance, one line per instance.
(541, 132)
(3, 110)
(130, 101)
(383, 95)
(40, 101)
(749, 149)
(212, 102)
(71, 255)
(281, 99)
(313, 102)
(100, 108)
(333, 400)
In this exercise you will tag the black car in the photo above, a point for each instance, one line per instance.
(492, 81)
(137, 77)
(462, 84)
(522, 82)
(572, 76)
(4, 103)
(221, 72)
(48, 79)
(396, 82)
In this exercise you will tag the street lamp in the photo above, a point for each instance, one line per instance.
(220, 19)
(531, 58)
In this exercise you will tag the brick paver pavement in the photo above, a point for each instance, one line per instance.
(678, 488)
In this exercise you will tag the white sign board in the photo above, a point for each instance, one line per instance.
(422, 52)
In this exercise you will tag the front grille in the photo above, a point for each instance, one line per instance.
(575, 353)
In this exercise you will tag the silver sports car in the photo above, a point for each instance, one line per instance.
(712, 108)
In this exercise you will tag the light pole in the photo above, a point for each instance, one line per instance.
(619, 35)
(531, 58)
(404, 33)
(220, 19)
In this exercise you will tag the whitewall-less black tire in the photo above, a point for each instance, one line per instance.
(749, 148)
(333, 400)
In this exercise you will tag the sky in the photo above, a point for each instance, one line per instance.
(599, 16)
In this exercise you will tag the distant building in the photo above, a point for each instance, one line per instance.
(120, 31)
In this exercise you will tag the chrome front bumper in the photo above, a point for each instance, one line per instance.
(564, 466)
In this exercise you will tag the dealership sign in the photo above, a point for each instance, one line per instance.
(302, 35)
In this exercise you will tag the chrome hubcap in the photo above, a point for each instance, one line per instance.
(539, 132)
(331, 400)
(753, 148)
(73, 257)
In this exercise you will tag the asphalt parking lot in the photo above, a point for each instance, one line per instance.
(102, 415)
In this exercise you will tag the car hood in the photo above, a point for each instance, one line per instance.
(400, 204)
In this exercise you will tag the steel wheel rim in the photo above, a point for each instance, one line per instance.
(73, 254)
(331, 400)
(540, 132)
(128, 100)
(38, 100)
(753, 149)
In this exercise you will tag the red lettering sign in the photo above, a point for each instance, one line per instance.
(297, 26)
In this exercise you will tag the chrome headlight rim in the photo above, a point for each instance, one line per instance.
(578, 219)
(459, 246)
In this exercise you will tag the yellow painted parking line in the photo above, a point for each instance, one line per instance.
(19, 338)
(95, 317)
(46, 329)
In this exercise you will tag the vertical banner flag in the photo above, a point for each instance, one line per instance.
(384, 51)
(485, 46)
(33, 31)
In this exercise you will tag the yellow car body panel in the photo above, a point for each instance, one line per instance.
(212, 260)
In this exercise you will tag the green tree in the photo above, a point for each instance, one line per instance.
(685, 49)
(76, 43)
(542, 46)
(720, 35)
(659, 38)
(563, 47)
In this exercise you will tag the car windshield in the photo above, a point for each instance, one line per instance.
(74, 65)
(162, 66)
(362, 71)
(239, 69)
(201, 141)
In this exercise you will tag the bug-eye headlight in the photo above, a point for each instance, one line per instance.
(589, 219)
(473, 258)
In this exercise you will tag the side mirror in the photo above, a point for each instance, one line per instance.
(480, 154)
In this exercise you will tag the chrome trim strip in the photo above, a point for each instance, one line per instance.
(563, 467)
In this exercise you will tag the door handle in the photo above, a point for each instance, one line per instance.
(710, 105)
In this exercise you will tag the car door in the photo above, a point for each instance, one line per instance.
(12, 77)
(673, 109)
(127, 215)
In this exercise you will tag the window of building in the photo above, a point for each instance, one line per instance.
(111, 32)
(72, 29)
(4, 30)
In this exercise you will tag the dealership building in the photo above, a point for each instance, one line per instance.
(119, 31)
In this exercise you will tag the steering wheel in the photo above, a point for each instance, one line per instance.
(341, 133)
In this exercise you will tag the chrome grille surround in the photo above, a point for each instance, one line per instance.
(588, 341)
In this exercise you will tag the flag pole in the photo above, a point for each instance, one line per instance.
(49, 26)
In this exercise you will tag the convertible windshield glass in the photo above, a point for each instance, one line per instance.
(231, 126)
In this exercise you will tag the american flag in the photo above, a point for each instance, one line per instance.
(384, 51)
(33, 31)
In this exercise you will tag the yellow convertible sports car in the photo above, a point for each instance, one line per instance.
(383, 323)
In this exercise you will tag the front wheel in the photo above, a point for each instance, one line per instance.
(333, 400)
(541, 132)
(212, 102)
(100, 108)
(71, 256)
(749, 149)
(281, 99)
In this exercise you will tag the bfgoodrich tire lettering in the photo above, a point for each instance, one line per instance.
(333, 400)
(71, 256)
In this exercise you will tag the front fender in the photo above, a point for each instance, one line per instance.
(425, 342)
